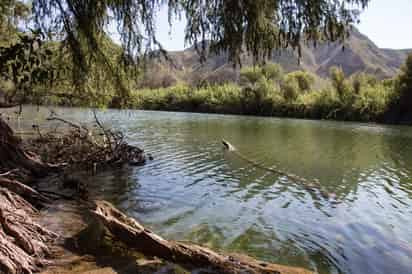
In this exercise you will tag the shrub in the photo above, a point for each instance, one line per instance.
(250, 75)
(372, 102)
(290, 88)
(362, 80)
(341, 85)
(400, 107)
(404, 81)
(272, 71)
(305, 80)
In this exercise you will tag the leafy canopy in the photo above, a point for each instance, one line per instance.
(232, 26)
(259, 26)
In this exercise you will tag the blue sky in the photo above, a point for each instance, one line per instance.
(386, 22)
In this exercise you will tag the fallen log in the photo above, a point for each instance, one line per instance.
(135, 236)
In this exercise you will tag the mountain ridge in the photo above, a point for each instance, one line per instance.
(358, 53)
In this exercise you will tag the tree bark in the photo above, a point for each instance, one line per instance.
(134, 235)
(22, 240)
(23, 190)
(13, 156)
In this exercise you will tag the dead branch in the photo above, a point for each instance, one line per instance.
(105, 132)
(80, 147)
(10, 172)
(79, 127)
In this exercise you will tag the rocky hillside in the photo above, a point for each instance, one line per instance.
(358, 53)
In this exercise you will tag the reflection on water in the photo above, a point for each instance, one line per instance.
(195, 191)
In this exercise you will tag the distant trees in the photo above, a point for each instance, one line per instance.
(157, 77)
(218, 77)
(12, 12)
(400, 109)
(404, 81)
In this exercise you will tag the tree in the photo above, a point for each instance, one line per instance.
(26, 63)
(400, 110)
(404, 82)
(232, 26)
(305, 80)
(12, 12)
(341, 85)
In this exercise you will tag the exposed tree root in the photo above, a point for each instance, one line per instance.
(23, 243)
(134, 235)
(14, 156)
(23, 190)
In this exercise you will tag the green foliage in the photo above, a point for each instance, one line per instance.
(400, 107)
(304, 79)
(259, 83)
(361, 97)
(290, 88)
(259, 26)
(12, 12)
(250, 75)
(26, 63)
(361, 80)
(372, 101)
(341, 84)
(404, 81)
(272, 71)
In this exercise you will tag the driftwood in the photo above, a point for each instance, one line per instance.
(135, 236)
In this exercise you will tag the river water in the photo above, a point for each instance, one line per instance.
(194, 190)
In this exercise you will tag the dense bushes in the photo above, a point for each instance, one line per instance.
(267, 90)
(400, 108)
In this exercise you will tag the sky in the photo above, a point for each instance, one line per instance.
(388, 23)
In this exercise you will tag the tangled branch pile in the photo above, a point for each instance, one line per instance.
(24, 243)
(81, 147)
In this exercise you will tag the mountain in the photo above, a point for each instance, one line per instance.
(357, 53)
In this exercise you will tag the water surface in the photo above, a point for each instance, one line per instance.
(194, 190)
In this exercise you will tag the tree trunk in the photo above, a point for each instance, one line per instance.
(134, 235)
(13, 156)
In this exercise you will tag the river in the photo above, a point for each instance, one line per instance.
(194, 190)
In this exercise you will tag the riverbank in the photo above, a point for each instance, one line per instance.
(370, 106)
(361, 98)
